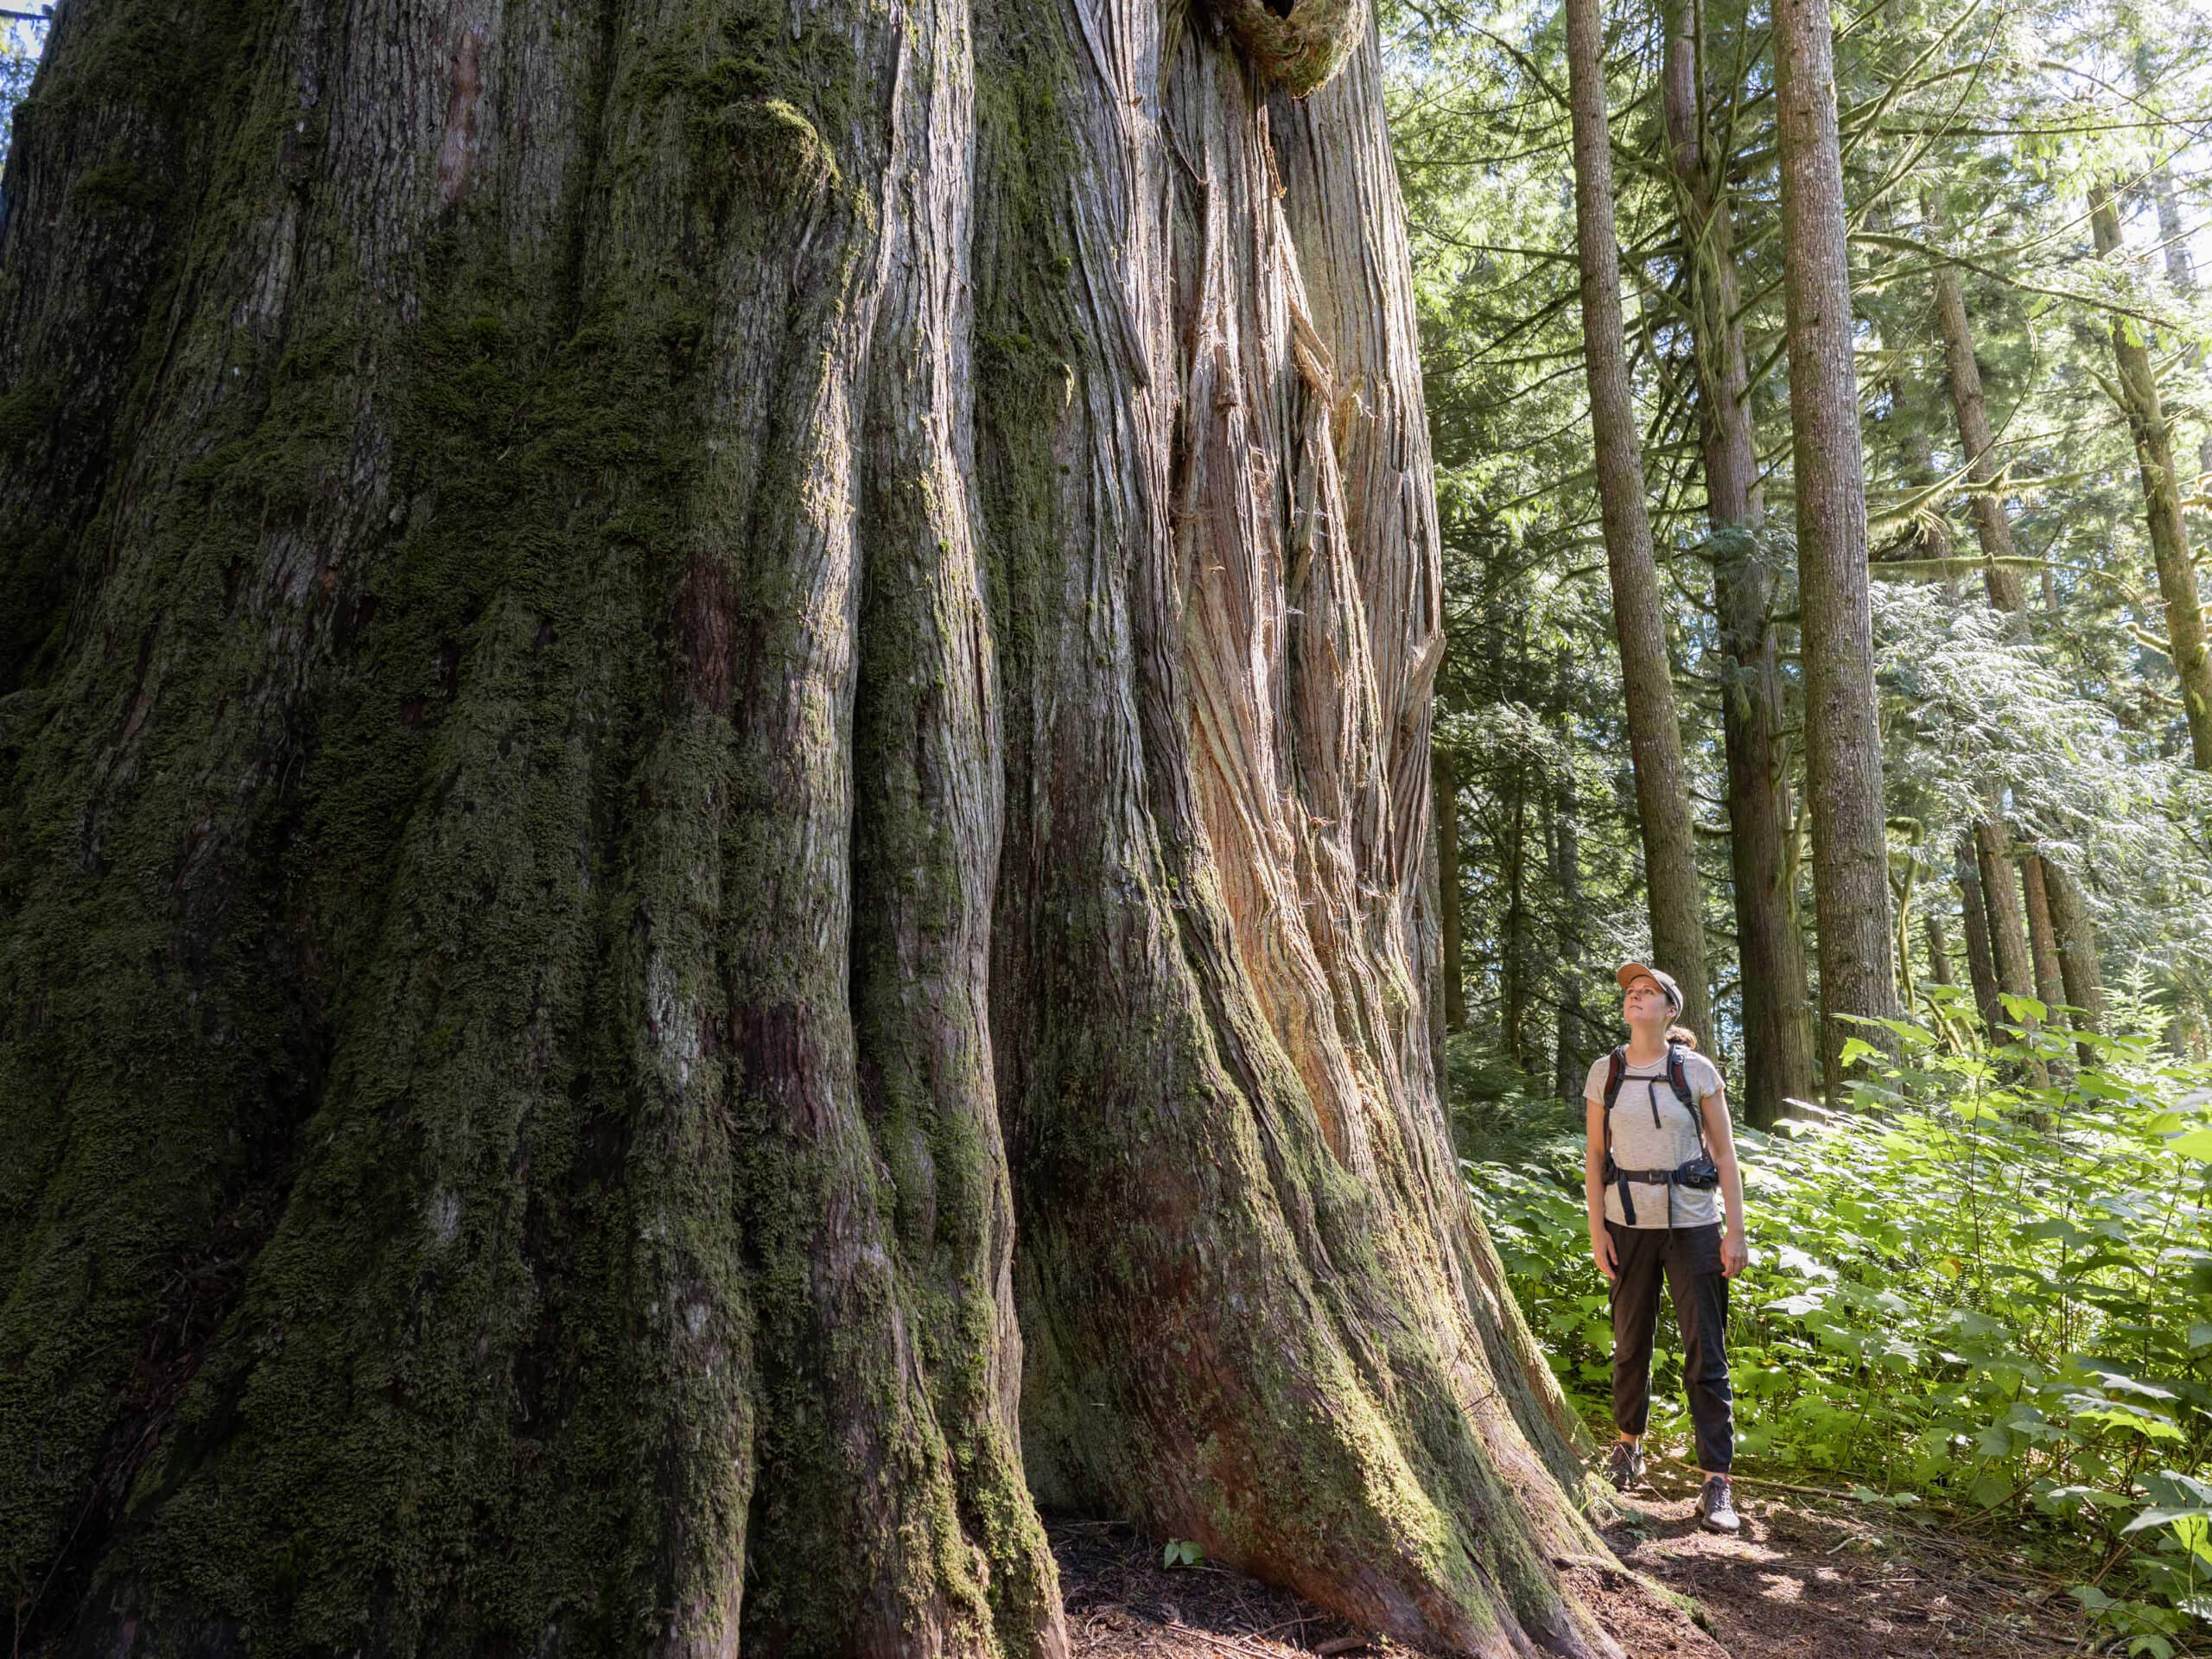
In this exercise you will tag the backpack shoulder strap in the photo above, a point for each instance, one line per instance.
(1615, 1068)
(1678, 1079)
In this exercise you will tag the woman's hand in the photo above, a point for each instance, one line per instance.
(1735, 1253)
(1601, 1249)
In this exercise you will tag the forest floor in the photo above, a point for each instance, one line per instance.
(1809, 1577)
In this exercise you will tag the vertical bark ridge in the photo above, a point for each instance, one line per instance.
(1233, 1011)
(2000, 889)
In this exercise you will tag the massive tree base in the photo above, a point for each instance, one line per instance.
(671, 667)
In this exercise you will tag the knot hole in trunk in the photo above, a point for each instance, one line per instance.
(1297, 45)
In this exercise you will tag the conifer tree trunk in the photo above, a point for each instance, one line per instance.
(1973, 921)
(1571, 1042)
(678, 672)
(1992, 525)
(1513, 951)
(2043, 938)
(2077, 954)
(1843, 736)
(2154, 457)
(1770, 953)
(1939, 951)
(2001, 890)
(1662, 781)
(1447, 786)
(2181, 269)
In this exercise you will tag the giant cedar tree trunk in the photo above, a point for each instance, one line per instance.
(1778, 1003)
(1654, 737)
(1843, 735)
(668, 666)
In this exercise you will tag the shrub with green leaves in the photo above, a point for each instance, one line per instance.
(1970, 1292)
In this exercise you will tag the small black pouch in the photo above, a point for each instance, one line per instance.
(1700, 1173)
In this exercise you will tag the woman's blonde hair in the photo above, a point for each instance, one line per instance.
(1684, 1035)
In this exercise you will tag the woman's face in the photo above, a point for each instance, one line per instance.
(1645, 1003)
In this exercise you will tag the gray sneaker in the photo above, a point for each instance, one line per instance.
(1715, 1508)
(1624, 1465)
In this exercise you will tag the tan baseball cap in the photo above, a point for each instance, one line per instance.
(1629, 972)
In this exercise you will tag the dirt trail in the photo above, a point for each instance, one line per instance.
(1808, 1578)
(1816, 1577)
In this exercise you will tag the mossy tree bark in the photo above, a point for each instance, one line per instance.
(666, 667)
(1777, 1001)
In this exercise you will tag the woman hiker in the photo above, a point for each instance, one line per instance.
(1659, 1167)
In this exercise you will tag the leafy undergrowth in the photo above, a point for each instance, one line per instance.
(1974, 1294)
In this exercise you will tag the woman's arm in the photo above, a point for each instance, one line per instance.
(1720, 1142)
(1594, 1186)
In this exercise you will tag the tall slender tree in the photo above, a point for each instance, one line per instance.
(2173, 236)
(2077, 954)
(1843, 735)
(1570, 1039)
(2043, 938)
(2154, 456)
(1939, 949)
(1770, 951)
(2000, 891)
(1994, 530)
(1974, 922)
(1662, 780)
(1992, 526)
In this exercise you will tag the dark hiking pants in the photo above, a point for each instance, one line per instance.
(1689, 1258)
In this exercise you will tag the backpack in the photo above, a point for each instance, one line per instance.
(1700, 1173)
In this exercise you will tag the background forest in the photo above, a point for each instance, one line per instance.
(1985, 1286)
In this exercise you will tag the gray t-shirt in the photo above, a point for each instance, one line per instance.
(1652, 1129)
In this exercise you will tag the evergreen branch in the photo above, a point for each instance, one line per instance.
(1935, 261)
